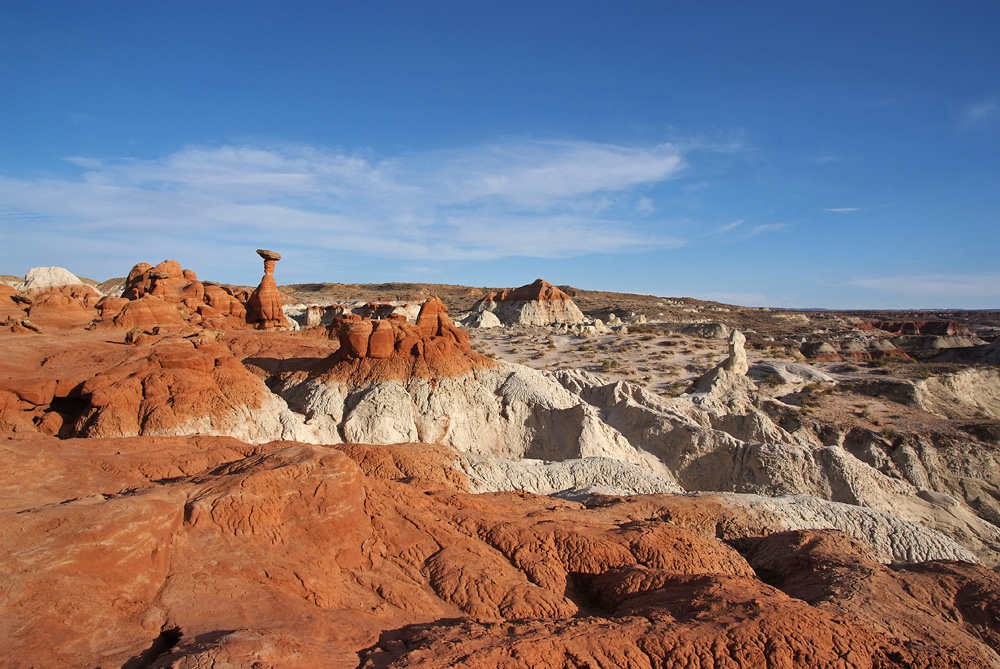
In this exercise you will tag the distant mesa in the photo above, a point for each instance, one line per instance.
(938, 328)
(538, 303)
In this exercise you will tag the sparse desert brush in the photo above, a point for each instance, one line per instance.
(988, 431)
(772, 381)
(890, 431)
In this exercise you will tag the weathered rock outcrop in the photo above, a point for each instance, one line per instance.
(167, 552)
(166, 295)
(939, 328)
(264, 309)
(790, 373)
(41, 279)
(538, 303)
(483, 320)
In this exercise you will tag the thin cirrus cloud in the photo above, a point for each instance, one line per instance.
(842, 210)
(476, 203)
(935, 287)
(979, 114)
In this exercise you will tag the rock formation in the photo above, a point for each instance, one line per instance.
(153, 551)
(264, 309)
(393, 349)
(538, 303)
(166, 295)
(939, 328)
(727, 383)
(11, 307)
(220, 497)
(40, 279)
(482, 319)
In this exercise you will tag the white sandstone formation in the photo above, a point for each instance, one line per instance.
(538, 303)
(893, 539)
(508, 412)
(788, 373)
(43, 278)
(606, 476)
(482, 320)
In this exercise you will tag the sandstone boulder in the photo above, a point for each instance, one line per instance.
(147, 312)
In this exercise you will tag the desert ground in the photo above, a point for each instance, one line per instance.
(197, 474)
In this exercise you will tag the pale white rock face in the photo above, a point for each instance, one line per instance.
(702, 449)
(606, 476)
(509, 412)
(534, 312)
(894, 539)
(384, 415)
(42, 278)
(977, 389)
(792, 373)
(482, 320)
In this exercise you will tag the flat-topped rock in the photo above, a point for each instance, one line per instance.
(269, 255)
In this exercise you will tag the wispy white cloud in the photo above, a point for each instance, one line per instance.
(938, 289)
(979, 114)
(766, 227)
(842, 210)
(530, 198)
(738, 230)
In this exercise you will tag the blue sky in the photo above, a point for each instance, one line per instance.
(840, 154)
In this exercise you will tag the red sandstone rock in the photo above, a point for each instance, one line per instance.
(68, 306)
(210, 305)
(147, 312)
(429, 319)
(138, 283)
(393, 348)
(109, 307)
(354, 332)
(224, 302)
(301, 556)
(382, 343)
(939, 328)
(264, 308)
(539, 289)
(9, 307)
